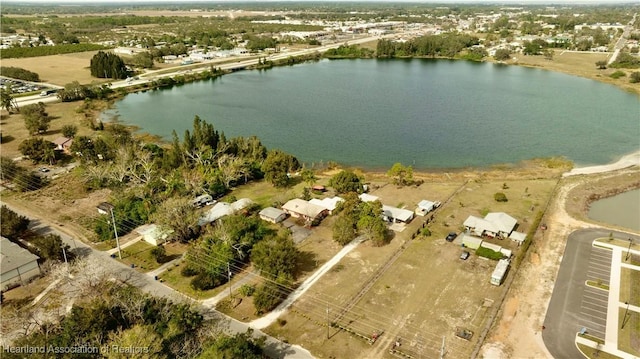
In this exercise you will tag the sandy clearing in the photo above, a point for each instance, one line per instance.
(632, 159)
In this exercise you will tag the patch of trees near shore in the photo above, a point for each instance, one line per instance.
(444, 45)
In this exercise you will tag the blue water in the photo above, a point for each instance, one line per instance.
(425, 113)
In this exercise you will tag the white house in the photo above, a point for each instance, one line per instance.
(273, 215)
(299, 208)
(153, 234)
(222, 209)
(479, 227)
(329, 203)
(493, 224)
(504, 222)
(17, 264)
(425, 207)
(393, 214)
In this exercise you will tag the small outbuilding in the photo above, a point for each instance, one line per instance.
(425, 207)
(518, 237)
(365, 197)
(17, 264)
(471, 241)
(273, 215)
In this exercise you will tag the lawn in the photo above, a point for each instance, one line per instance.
(139, 255)
(629, 336)
(177, 281)
(593, 353)
(629, 288)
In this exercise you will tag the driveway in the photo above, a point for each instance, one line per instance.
(573, 305)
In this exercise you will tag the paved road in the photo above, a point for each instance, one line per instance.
(622, 40)
(573, 305)
(273, 347)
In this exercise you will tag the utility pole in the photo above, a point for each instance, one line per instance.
(64, 253)
(115, 231)
(229, 279)
(626, 258)
(442, 349)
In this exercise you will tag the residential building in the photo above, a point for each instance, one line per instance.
(17, 264)
(273, 215)
(299, 208)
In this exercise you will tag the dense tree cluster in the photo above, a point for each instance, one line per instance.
(13, 224)
(108, 65)
(38, 150)
(626, 60)
(20, 52)
(36, 118)
(349, 51)
(23, 179)
(358, 217)
(19, 73)
(445, 45)
(401, 175)
(346, 181)
(256, 43)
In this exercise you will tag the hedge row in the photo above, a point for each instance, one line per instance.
(20, 52)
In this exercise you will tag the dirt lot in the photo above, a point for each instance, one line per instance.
(58, 69)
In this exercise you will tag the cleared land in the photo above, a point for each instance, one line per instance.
(59, 69)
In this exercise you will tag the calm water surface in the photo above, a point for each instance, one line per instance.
(622, 210)
(425, 113)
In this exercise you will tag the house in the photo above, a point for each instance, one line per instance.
(63, 144)
(393, 214)
(329, 203)
(17, 264)
(273, 215)
(425, 207)
(222, 209)
(299, 208)
(105, 208)
(504, 222)
(471, 241)
(499, 273)
(494, 224)
(153, 234)
(480, 227)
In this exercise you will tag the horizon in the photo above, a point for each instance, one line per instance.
(456, 2)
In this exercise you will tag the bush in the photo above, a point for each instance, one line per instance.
(500, 197)
(618, 74)
(425, 232)
(635, 77)
(489, 253)
(247, 290)
(188, 271)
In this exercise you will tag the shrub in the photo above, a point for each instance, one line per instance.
(425, 232)
(618, 74)
(247, 290)
(488, 253)
(203, 281)
(635, 77)
(500, 197)
(188, 271)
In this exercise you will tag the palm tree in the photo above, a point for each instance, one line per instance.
(7, 101)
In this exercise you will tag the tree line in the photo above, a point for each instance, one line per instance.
(445, 45)
(19, 73)
(21, 52)
(108, 65)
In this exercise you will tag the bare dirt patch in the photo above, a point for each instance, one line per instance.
(59, 69)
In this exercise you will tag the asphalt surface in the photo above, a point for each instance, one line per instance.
(573, 305)
(273, 348)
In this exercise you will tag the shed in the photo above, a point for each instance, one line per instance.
(518, 237)
(273, 215)
(216, 212)
(365, 197)
(241, 204)
(17, 264)
(425, 207)
(499, 273)
(493, 247)
(153, 234)
(393, 214)
(299, 208)
(471, 241)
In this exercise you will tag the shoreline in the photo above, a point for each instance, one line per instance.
(626, 161)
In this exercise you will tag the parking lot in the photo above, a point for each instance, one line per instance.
(593, 308)
(18, 87)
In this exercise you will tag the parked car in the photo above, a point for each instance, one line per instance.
(464, 255)
(44, 169)
(451, 236)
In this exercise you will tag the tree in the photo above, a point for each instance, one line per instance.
(401, 175)
(308, 177)
(37, 149)
(275, 256)
(278, 166)
(634, 78)
(143, 59)
(8, 169)
(159, 254)
(601, 65)
(548, 54)
(108, 65)
(137, 336)
(240, 345)
(7, 101)
(50, 247)
(271, 293)
(370, 223)
(69, 131)
(179, 216)
(36, 119)
(13, 224)
(343, 230)
(346, 181)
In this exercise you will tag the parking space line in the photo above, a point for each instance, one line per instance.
(596, 295)
(584, 311)
(591, 322)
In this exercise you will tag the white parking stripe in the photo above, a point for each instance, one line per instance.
(589, 311)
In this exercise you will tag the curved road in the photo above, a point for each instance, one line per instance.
(563, 319)
(273, 347)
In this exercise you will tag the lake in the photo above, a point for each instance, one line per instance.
(421, 112)
(622, 210)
